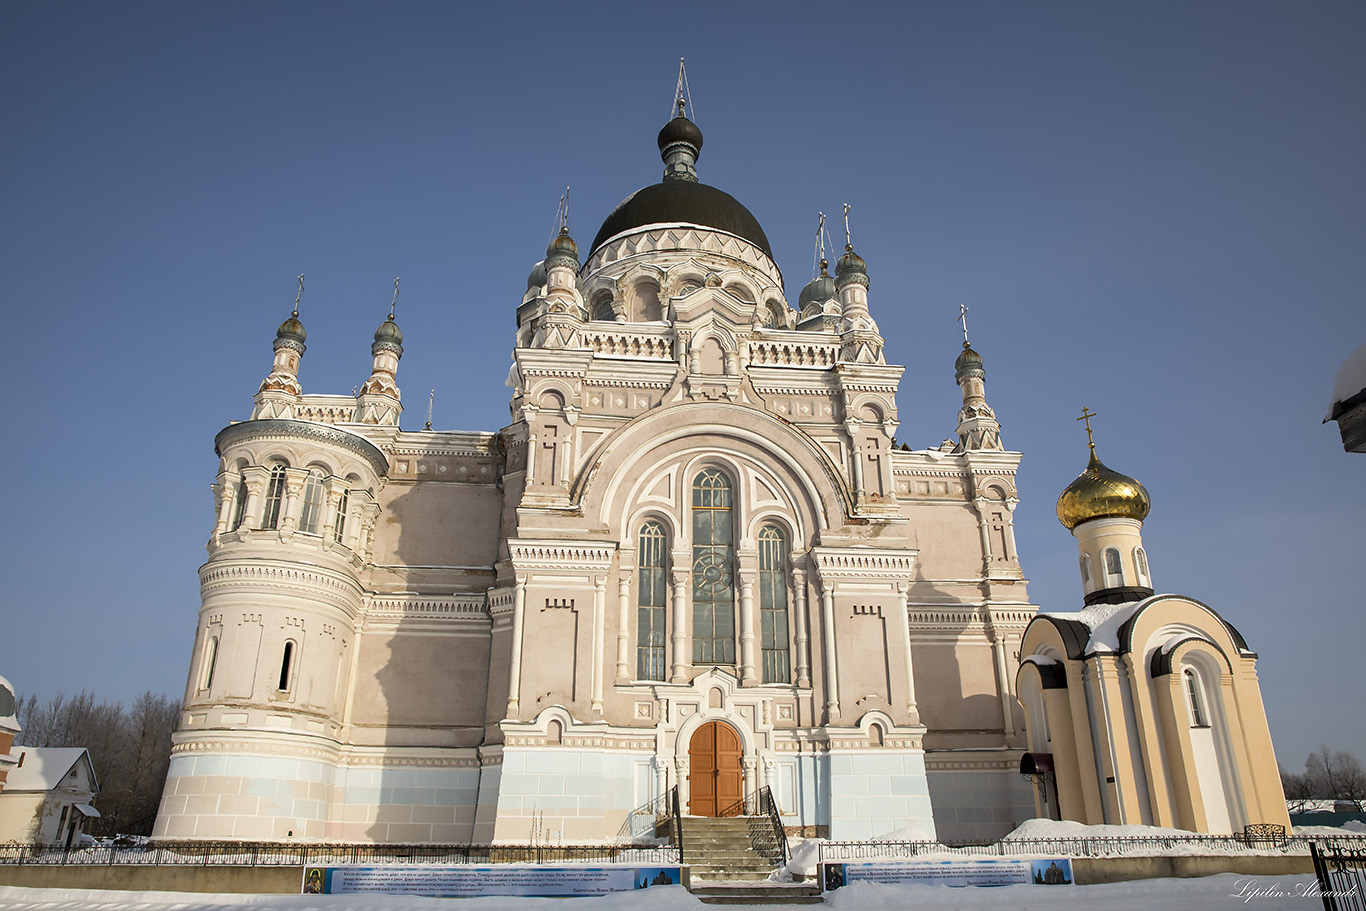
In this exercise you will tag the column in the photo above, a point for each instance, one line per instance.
(599, 632)
(289, 511)
(515, 661)
(747, 574)
(226, 493)
(998, 647)
(799, 623)
(903, 591)
(856, 454)
(624, 621)
(682, 660)
(832, 688)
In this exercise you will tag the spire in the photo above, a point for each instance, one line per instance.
(279, 394)
(680, 141)
(380, 401)
(977, 424)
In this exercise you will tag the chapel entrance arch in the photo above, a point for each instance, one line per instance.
(716, 776)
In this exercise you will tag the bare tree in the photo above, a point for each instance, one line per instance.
(1334, 775)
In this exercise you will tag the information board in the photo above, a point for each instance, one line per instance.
(965, 871)
(463, 881)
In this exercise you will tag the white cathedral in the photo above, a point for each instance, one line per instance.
(695, 560)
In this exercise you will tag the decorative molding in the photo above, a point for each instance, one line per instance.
(282, 428)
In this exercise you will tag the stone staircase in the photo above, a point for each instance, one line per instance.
(729, 860)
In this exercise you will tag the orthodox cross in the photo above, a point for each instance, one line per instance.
(848, 238)
(394, 303)
(299, 295)
(683, 92)
(963, 318)
(820, 244)
(431, 400)
(562, 214)
(1086, 415)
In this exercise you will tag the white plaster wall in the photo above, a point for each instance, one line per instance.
(878, 791)
(571, 796)
(800, 785)
(396, 803)
(979, 805)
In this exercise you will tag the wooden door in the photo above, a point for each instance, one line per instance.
(716, 778)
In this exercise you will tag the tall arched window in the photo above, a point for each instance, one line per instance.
(1085, 569)
(1195, 699)
(210, 659)
(650, 631)
(311, 518)
(342, 506)
(773, 605)
(240, 508)
(713, 574)
(286, 666)
(1141, 561)
(1114, 573)
(275, 498)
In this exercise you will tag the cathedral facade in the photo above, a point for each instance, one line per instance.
(697, 559)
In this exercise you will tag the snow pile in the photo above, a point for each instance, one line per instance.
(908, 833)
(1054, 828)
(1351, 827)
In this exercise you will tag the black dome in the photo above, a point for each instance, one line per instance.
(675, 201)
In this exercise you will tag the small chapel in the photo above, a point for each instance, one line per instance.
(696, 564)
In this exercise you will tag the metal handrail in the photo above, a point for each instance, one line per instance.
(1085, 846)
(768, 803)
(676, 827)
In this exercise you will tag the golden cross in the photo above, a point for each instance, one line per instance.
(1086, 415)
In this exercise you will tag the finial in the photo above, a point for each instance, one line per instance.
(431, 400)
(393, 303)
(562, 215)
(682, 93)
(1086, 415)
(295, 314)
(848, 237)
(963, 318)
(821, 237)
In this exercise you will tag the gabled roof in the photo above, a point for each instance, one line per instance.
(44, 768)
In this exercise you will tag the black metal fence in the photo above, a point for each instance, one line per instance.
(1341, 873)
(242, 854)
(1132, 846)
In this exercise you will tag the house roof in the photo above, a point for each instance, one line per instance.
(45, 767)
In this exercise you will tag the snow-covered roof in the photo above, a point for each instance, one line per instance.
(44, 767)
(1103, 620)
(1350, 382)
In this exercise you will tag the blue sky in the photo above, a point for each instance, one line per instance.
(1155, 209)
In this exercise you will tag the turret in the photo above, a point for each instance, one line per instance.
(977, 424)
(1105, 510)
(280, 392)
(380, 401)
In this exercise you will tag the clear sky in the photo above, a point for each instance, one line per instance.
(1154, 209)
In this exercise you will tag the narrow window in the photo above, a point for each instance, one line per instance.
(342, 506)
(286, 666)
(773, 605)
(1199, 717)
(240, 507)
(1085, 569)
(650, 632)
(1114, 573)
(275, 498)
(1141, 561)
(210, 658)
(713, 576)
(312, 515)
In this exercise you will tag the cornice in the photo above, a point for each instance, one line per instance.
(527, 554)
(336, 588)
(282, 428)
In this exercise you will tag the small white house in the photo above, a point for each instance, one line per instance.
(47, 795)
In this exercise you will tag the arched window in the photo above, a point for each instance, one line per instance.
(1195, 699)
(773, 605)
(210, 659)
(1085, 569)
(1114, 573)
(310, 519)
(286, 666)
(602, 309)
(650, 630)
(1141, 561)
(713, 575)
(275, 498)
(240, 508)
(342, 506)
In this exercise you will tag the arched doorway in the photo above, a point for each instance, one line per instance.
(716, 779)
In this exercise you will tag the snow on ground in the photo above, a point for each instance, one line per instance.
(1228, 890)
(1053, 828)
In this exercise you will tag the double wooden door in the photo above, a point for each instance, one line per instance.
(716, 778)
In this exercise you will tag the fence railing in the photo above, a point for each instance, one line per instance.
(241, 854)
(1341, 874)
(1141, 845)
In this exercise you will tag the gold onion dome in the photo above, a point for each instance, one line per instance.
(1102, 493)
